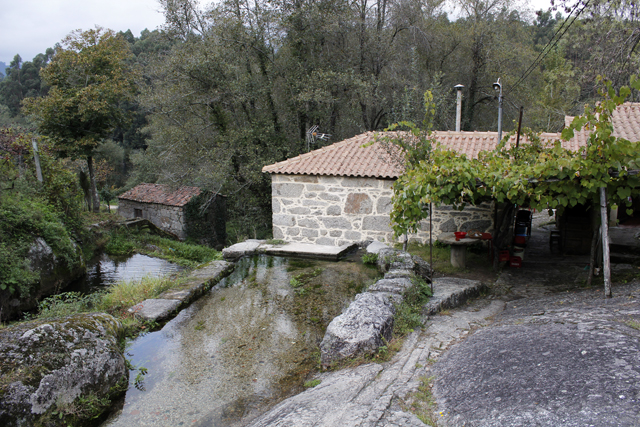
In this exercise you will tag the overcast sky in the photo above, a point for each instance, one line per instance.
(29, 27)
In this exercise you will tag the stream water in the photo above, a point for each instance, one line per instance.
(106, 270)
(248, 343)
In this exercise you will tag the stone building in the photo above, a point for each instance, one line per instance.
(342, 193)
(178, 211)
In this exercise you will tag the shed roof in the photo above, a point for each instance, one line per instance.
(160, 194)
(351, 158)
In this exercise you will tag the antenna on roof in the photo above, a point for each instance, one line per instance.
(313, 135)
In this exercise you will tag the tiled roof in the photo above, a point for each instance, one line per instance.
(161, 194)
(350, 158)
(625, 120)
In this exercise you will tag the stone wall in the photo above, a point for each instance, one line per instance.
(168, 218)
(335, 210)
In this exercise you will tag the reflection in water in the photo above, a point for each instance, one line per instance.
(105, 271)
(247, 344)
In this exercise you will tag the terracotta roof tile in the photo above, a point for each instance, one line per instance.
(350, 158)
(625, 120)
(161, 194)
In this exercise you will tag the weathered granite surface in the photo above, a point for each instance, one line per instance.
(48, 366)
(378, 395)
(450, 292)
(362, 328)
(375, 247)
(246, 248)
(566, 359)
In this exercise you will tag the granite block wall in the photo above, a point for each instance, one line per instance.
(336, 210)
(168, 218)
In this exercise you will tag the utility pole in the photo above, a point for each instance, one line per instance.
(498, 86)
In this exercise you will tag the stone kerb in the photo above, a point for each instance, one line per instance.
(368, 321)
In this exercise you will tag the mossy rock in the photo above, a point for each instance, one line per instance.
(60, 372)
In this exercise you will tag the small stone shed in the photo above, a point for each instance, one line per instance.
(178, 211)
(342, 193)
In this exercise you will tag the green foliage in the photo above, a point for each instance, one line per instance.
(205, 219)
(408, 314)
(370, 259)
(312, 383)
(530, 175)
(88, 77)
(422, 403)
(23, 80)
(68, 303)
(23, 220)
(125, 241)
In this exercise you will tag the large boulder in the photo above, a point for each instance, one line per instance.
(54, 274)
(60, 372)
(362, 328)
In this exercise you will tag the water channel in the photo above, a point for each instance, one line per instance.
(104, 271)
(247, 344)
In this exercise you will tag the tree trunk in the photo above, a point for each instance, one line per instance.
(94, 191)
(606, 269)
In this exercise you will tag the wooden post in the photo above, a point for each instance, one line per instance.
(606, 266)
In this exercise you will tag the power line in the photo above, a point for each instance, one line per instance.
(544, 54)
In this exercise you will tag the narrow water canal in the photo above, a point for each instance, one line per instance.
(250, 342)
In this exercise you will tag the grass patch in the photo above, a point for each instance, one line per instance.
(115, 301)
(124, 241)
(312, 383)
(408, 314)
(370, 259)
(634, 324)
(422, 403)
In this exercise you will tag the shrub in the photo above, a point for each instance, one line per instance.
(371, 259)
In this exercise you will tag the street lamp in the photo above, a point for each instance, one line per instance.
(498, 86)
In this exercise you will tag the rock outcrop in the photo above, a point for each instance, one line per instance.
(60, 371)
(54, 274)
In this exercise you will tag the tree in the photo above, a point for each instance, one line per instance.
(89, 78)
